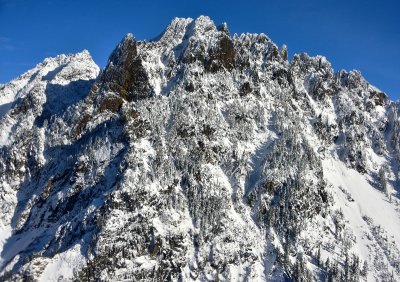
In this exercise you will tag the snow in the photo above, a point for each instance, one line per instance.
(61, 266)
(46, 79)
(5, 133)
(367, 200)
(5, 106)
(24, 241)
(365, 209)
(258, 162)
(5, 233)
(155, 68)
(47, 82)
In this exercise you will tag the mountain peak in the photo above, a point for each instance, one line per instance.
(60, 69)
(203, 25)
(180, 27)
(128, 37)
(174, 31)
(85, 52)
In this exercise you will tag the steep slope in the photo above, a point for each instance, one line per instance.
(35, 99)
(198, 156)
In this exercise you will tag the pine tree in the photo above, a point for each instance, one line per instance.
(284, 52)
(346, 268)
(355, 268)
(286, 248)
(319, 256)
(327, 265)
(383, 180)
(332, 272)
(364, 271)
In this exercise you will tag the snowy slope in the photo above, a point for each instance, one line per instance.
(366, 208)
(198, 156)
(45, 90)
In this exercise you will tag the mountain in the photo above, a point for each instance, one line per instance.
(198, 156)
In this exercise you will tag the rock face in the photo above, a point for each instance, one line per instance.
(125, 73)
(198, 156)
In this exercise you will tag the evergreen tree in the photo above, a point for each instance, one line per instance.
(364, 271)
(319, 262)
(355, 267)
(327, 263)
(383, 180)
(346, 268)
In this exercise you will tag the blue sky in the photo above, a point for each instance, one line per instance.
(352, 34)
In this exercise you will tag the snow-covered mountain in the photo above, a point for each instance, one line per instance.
(198, 156)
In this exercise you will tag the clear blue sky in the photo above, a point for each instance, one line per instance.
(352, 34)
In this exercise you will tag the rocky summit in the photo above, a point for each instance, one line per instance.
(198, 156)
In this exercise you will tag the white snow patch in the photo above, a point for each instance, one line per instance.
(5, 134)
(367, 200)
(5, 233)
(359, 200)
(63, 265)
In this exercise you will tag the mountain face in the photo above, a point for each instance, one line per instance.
(198, 156)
